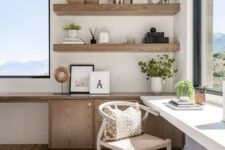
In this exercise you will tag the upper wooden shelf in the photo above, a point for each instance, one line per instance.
(116, 47)
(116, 9)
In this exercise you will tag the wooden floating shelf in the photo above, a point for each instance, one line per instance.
(116, 9)
(116, 47)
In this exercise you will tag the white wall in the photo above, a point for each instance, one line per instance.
(23, 123)
(28, 123)
(183, 29)
(125, 73)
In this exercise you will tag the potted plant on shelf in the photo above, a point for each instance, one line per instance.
(158, 70)
(185, 88)
(72, 30)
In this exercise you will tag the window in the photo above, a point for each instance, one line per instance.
(24, 38)
(209, 44)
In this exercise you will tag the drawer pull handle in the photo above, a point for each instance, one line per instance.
(89, 104)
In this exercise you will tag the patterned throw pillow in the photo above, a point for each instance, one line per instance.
(128, 123)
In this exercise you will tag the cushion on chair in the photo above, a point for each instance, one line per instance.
(128, 123)
(142, 142)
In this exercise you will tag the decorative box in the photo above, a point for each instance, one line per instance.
(155, 34)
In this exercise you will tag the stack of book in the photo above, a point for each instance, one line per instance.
(73, 41)
(184, 105)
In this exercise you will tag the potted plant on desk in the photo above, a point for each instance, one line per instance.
(200, 95)
(158, 70)
(185, 88)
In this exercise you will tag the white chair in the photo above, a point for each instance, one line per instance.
(141, 142)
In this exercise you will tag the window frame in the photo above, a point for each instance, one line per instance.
(49, 54)
(197, 47)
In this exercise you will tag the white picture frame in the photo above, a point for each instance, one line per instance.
(100, 82)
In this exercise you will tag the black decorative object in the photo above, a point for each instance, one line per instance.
(155, 37)
(166, 1)
(93, 40)
(153, 30)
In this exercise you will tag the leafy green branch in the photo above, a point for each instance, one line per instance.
(72, 26)
(160, 67)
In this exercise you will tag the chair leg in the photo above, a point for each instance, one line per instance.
(169, 145)
(98, 147)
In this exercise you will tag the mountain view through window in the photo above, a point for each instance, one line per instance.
(24, 38)
(218, 44)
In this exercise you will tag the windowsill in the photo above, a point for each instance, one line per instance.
(214, 99)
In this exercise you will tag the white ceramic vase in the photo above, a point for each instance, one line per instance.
(156, 84)
(72, 33)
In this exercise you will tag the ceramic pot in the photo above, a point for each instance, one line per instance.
(156, 84)
(72, 33)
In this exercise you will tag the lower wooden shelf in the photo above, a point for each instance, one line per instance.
(172, 47)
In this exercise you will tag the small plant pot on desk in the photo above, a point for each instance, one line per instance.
(200, 98)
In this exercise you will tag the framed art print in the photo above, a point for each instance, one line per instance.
(80, 78)
(99, 82)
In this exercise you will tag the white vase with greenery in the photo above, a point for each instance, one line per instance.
(72, 30)
(156, 84)
(158, 70)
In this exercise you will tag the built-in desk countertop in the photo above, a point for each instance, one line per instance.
(204, 126)
(45, 97)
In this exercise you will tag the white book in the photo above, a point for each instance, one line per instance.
(72, 39)
(182, 102)
(80, 42)
(185, 108)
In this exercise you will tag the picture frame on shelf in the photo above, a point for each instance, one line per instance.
(80, 78)
(100, 82)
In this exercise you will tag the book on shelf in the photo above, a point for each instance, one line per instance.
(78, 42)
(73, 41)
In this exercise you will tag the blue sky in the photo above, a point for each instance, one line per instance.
(23, 30)
(219, 16)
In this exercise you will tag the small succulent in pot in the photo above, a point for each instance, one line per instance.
(185, 88)
(72, 26)
(200, 89)
(72, 29)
